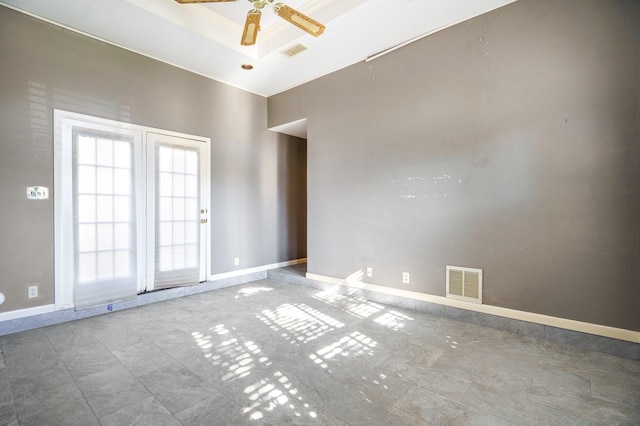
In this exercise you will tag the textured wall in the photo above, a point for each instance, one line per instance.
(257, 198)
(509, 142)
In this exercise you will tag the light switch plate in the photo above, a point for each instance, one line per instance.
(37, 192)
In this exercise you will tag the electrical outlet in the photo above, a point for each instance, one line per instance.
(236, 261)
(369, 271)
(406, 278)
(33, 291)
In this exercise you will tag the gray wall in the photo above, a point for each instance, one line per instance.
(258, 177)
(509, 142)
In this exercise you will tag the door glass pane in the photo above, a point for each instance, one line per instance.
(177, 200)
(104, 222)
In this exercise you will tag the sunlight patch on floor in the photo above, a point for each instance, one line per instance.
(355, 344)
(360, 308)
(298, 323)
(250, 291)
(277, 392)
(393, 320)
(237, 356)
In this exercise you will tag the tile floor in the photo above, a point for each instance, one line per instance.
(274, 353)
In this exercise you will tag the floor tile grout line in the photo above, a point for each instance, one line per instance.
(75, 380)
(192, 315)
(13, 400)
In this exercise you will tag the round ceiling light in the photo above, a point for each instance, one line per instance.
(247, 66)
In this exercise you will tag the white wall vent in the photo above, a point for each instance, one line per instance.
(294, 50)
(464, 284)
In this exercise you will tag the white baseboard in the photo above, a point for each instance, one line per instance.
(262, 268)
(45, 309)
(27, 312)
(568, 324)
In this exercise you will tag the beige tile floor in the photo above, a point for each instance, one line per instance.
(274, 353)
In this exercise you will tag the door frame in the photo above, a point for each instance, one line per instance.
(64, 123)
(152, 138)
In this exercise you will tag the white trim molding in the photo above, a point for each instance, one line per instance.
(27, 312)
(145, 138)
(47, 309)
(568, 324)
(262, 268)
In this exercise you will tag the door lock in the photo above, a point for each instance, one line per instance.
(203, 220)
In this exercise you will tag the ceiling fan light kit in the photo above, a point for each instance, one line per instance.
(251, 28)
(252, 23)
(301, 21)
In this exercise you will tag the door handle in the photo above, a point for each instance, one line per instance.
(203, 220)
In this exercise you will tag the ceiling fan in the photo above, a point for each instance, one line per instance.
(252, 24)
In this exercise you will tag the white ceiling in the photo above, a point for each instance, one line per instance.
(205, 38)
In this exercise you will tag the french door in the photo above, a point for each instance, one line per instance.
(131, 210)
(174, 170)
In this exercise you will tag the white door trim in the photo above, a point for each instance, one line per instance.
(64, 122)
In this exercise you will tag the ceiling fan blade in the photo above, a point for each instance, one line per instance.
(203, 1)
(251, 28)
(298, 19)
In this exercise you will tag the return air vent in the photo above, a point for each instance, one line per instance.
(294, 50)
(464, 284)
